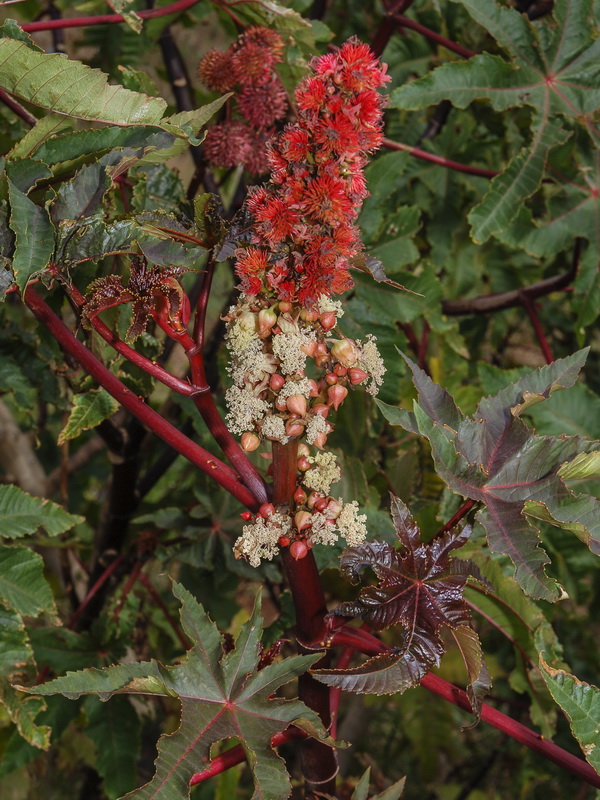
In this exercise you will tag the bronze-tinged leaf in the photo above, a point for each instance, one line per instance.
(420, 588)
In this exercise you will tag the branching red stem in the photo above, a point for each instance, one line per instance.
(406, 22)
(453, 522)
(198, 456)
(351, 636)
(107, 19)
(440, 160)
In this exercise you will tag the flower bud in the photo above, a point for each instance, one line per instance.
(310, 348)
(321, 504)
(287, 324)
(294, 427)
(314, 389)
(284, 541)
(266, 510)
(337, 395)
(313, 498)
(276, 381)
(357, 375)
(328, 320)
(331, 379)
(303, 464)
(280, 404)
(298, 550)
(302, 520)
(334, 509)
(346, 352)
(296, 403)
(309, 315)
(321, 409)
(247, 320)
(246, 516)
(266, 319)
(300, 496)
(340, 371)
(320, 440)
(284, 307)
(303, 450)
(249, 442)
(322, 349)
(321, 361)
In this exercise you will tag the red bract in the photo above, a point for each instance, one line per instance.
(305, 217)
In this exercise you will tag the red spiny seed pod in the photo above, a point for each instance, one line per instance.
(227, 143)
(264, 104)
(252, 63)
(266, 37)
(216, 72)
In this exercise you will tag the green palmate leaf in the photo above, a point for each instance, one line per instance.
(34, 234)
(59, 84)
(21, 514)
(17, 664)
(519, 181)
(581, 703)
(221, 696)
(23, 587)
(420, 590)
(89, 410)
(494, 458)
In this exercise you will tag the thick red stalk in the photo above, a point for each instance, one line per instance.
(453, 521)
(406, 22)
(107, 19)
(370, 645)
(237, 754)
(319, 763)
(198, 456)
(440, 160)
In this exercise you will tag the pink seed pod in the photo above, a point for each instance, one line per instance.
(321, 504)
(296, 404)
(276, 381)
(328, 320)
(284, 541)
(249, 442)
(314, 498)
(309, 315)
(320, 409)
(357, 375)
(340, 371)
(302, 520)
(321, 361)
(303, 450)
(300, 496)
(331, 378)
(337, 395)
(346, 352)
(285, 307)
(334, 509)
(298, 550)
(310, 348)
(314, 389)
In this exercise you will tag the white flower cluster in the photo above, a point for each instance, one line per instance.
(349, 524)
(261, 538)
(326, 304)
(291, 387)
(288, 349)
(273, 427)
(325, 472)
(371, 361)
(316, 425)
(245, 408)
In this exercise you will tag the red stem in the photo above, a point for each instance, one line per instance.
(406, 22)
(237, 754)
(17, 108)
(92, 592)
(319, 762)
(143, 579)
(198, 456)
(350, 636)
(107, 19)
(440, 160)
(453, 522)
(529, 307)
(422, 353)
(202, 304)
